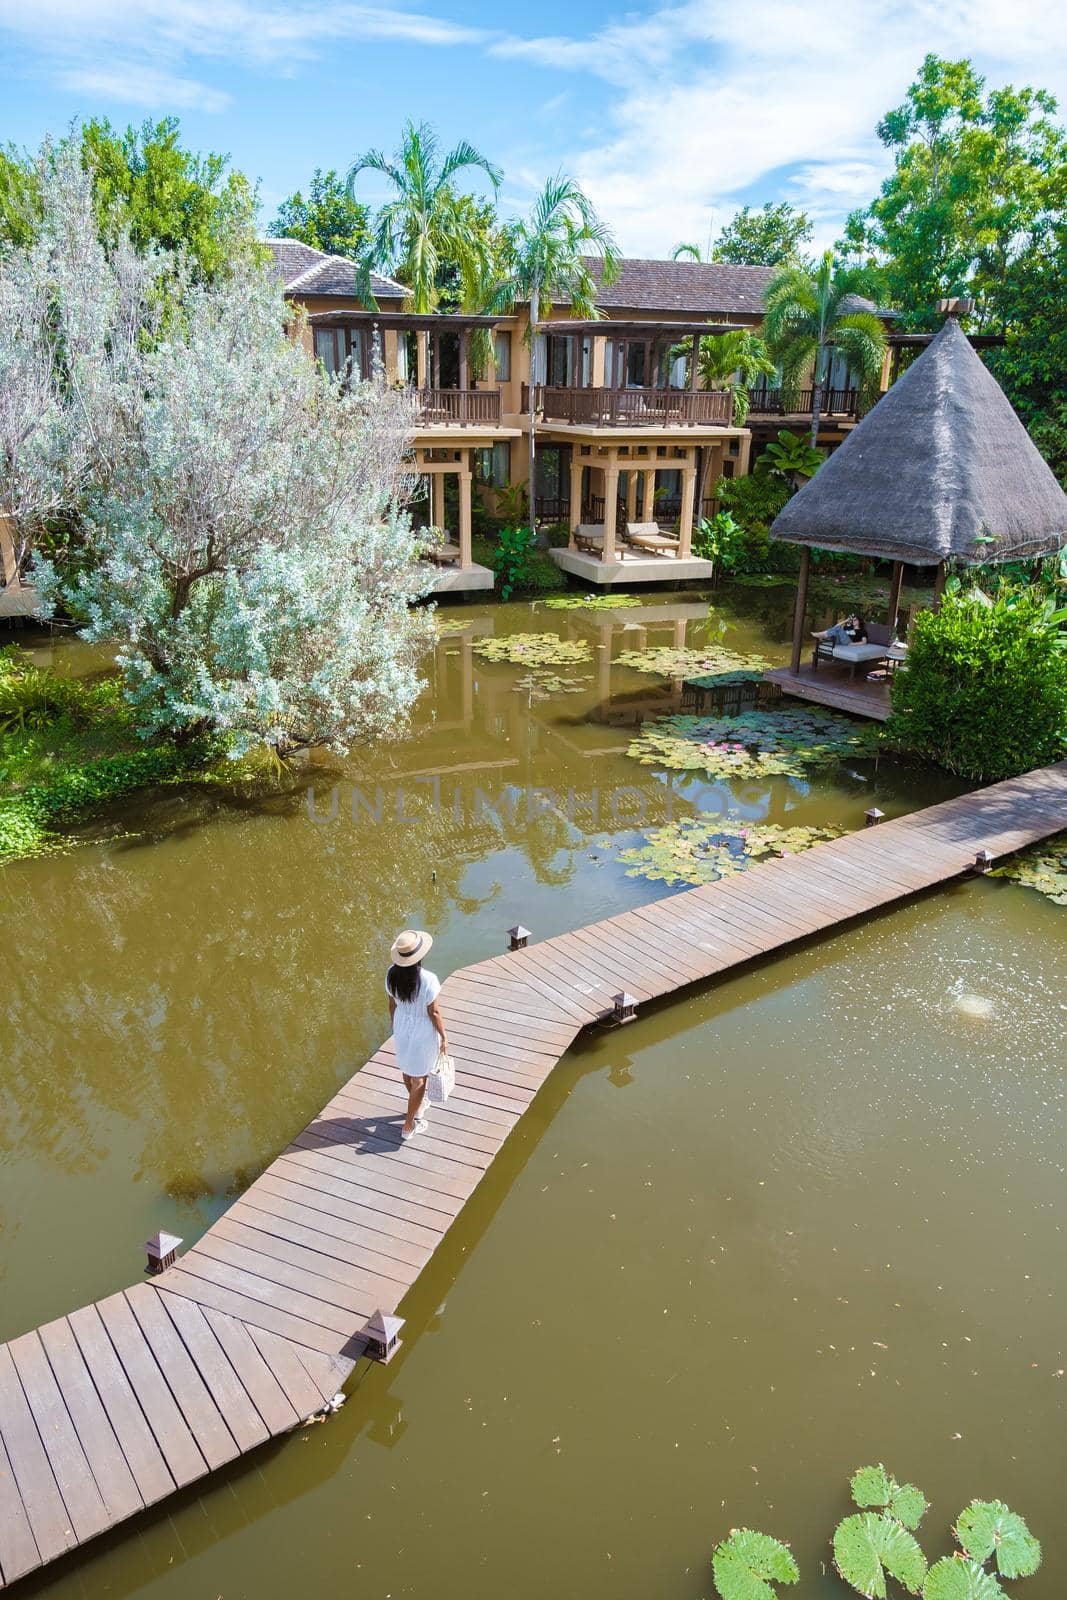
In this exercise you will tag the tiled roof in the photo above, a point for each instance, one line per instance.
(698, 288)
(305, 270)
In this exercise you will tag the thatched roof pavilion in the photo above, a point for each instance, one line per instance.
(940, 469)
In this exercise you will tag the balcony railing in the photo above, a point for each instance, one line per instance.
(835, 403)
(458, 407)
(632, 408)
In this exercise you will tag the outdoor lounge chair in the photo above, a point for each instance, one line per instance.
(879, 638)
(589, 536)
(443, 555)
(648, 536)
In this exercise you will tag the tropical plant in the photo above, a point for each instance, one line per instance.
(811, 312)
(241, 541)
(985, 690)
(791, 458)
(766, 237)
(329, 219)
(693, 251)
(988, 1529)
(549, 252)
(868, 1547)
(754, 501)
(511, 560)
(719, 539)
(746, 1564)
(874, 1486)
(956, 1578)
(422, 225)
(732, 361)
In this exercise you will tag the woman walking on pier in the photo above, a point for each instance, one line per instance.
(418, 1028)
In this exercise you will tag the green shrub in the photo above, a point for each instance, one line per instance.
(753, 502)
(33, 698)
(984, 693)
(721, 540)
(512, 560)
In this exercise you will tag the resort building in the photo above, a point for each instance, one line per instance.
(629, 445)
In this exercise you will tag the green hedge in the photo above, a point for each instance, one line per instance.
(984, 693)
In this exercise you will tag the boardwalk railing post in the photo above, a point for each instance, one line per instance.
(518, 937)
(872, 817)
(382, 1334)
(983, 861)
(162, 1250)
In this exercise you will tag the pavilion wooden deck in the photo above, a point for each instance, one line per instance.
(116, 1406)
(831, 686)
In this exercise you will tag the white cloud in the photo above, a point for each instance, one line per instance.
(137, 85)
(712, 99)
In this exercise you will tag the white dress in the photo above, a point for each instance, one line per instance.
(415, 1037)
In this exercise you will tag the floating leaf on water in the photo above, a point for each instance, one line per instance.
(672, 663)
(718, 680)
(954, 1578)
(764, 580)
(867, 1547)
(874, 1486)
(704, 849)
(788, 740)
(987, 1528)
(592, 602)
(540, 684)
(746, 1563)
(1043, 867)
(449, 625)
(535, 650)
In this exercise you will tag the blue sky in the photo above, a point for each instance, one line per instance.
(671, 115)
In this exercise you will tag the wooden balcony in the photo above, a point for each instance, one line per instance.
(632, 408)
(458, 408)
(835, 403)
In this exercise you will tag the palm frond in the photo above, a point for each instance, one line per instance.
(465, 155)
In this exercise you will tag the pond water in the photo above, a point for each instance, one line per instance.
(807, 1218)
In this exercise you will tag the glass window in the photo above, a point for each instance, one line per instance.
(502, 356)
(326, 349)
(492, 466)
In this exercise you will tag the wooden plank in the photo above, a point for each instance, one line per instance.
(290, 1222)
(216, 1372)
(108, 1464)
(230, 1267)
(388, 1213)
(262, 1387)
(376, 1133)
(305, 1395)
(216, 1443)
(253, 1312)
(85, 1506)
(48, 1517)
(333, 1212)
(180, 1450)
(18, 1548)
(453, 1127)
(390, 1175)
(139, 1447)
(314, 1266)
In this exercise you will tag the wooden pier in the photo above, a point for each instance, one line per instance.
(116, 1406)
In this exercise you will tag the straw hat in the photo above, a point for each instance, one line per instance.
(409, 947)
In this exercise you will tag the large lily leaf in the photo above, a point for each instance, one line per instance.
(1043, 867)
(685, 663)
(988, 1528)
(702, 849)
(534, 650)
(788, 740)
(593, 602)
(953, 1578)
(874, 1486)
(867, 1547)
(746, 1563)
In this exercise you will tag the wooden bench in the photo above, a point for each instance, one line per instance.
(648, 536)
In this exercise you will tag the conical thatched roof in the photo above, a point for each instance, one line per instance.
(941, 462)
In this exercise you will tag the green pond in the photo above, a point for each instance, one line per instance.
(808, 1217)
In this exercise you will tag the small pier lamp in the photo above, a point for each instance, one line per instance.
(382, 1334)
(162, 1251)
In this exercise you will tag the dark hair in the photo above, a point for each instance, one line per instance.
(403, 982)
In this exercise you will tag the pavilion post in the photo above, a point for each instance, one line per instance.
(576, 496)
(694, 365)
(466, 481)
(464, 380)
(611, 498)
(801, 607)
(939, 586)
(894, 593)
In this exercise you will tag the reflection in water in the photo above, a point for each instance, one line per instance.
(651, 1292)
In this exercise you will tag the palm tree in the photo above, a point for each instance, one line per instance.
(808, 311)
(733, 361)
(422, 225)
(691, 250)
(549, 251)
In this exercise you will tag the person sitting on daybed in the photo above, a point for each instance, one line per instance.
(852, 631)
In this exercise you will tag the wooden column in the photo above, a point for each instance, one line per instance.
(466, 479)
(650, 345)
(745, 456)
(464, 371)
(631, 494)
(611, 498)
(648, 496)
(435, 347)
(801, 607)
(939, 586)
(694, 365)
(9, 567)
(422, 361)
(576, 494)
(685, 525)
(894, 593)
(437, 500)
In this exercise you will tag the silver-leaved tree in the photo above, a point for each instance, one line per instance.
(239, 535)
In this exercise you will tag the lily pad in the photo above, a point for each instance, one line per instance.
(764, 580)
(787, 741)
(954, 1578)
(704, 849)
(1043, 867)
(535, 650)
(987, 1528)
(867, 1547)
(746, 1563)
(874, 1486)
(673, 663)
(540, 683)
(593, 602)
(449, 625)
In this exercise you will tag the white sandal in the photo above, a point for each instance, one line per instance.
(420, 1127)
